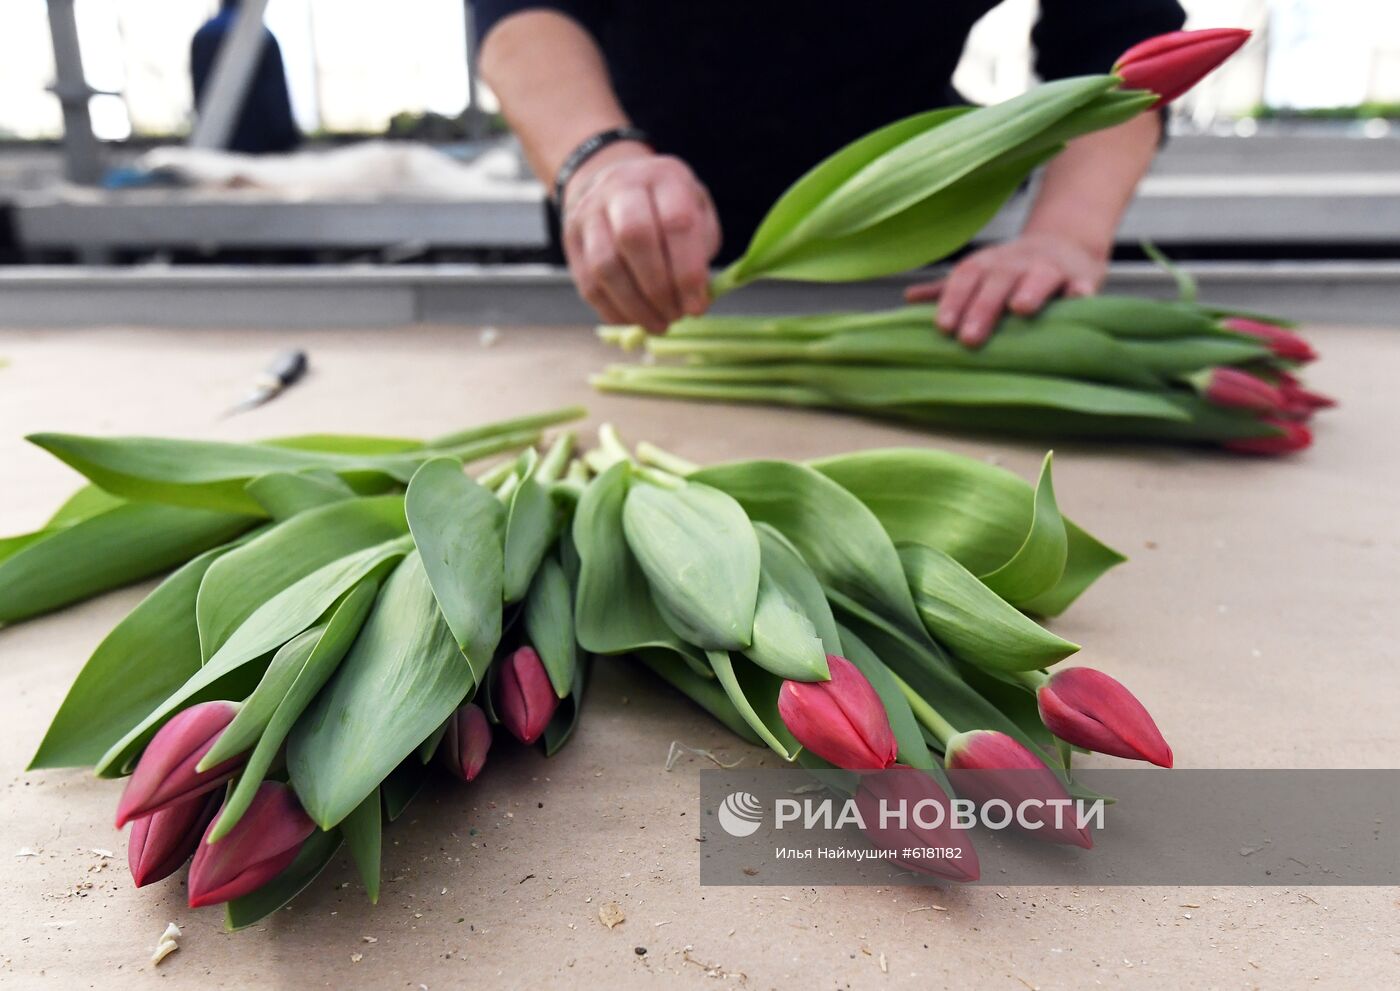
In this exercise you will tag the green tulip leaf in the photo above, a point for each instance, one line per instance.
(457, 526)
(784, 565)
(215, 474)
(786, 640)
(855, 557)
(700, 557)
(1039, 562)
(253, 716)
(974, 622)
(320, 651)
(101, 544)
(146, 657)
(1132, 316)
(976, 513)
(402, 678)
(613, 608)
(296, 674)
(271, 625)
(283, 494)
(920, 187)
(531, 527)
(242, 583)
(362, 830)
(402, 786)
(549, 624)
(754, 694)
(565, 720)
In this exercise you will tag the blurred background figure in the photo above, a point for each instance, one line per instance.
(265, 123)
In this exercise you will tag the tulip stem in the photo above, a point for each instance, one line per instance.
(492, 478)
(629, 338)
(1030, 680)
(610, 450)
(925, 713)
(650, 454)
(534, 422)
(551, 466)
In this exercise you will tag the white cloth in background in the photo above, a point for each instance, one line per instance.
(370, 169)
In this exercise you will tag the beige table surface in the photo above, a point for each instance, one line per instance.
(1258, 619)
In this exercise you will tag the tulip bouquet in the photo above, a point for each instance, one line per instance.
(863, 612)
(1100, 367)
(351, 607)
(372, 607)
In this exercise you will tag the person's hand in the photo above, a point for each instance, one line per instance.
(1021, 275)
(639, 233)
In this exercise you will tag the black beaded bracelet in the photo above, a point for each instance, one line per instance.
(586, 150)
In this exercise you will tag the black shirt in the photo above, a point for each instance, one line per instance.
(752, 94)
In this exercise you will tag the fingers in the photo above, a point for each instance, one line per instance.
(589, 287)
(1036, 287)
(605, 280)
(636, 231)
(925, 292)
(958, 291)
(1082, 287)
(689, 235)
(987, 305)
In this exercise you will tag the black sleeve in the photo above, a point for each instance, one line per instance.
(487, 13)
(1085, 37)
(270, 96)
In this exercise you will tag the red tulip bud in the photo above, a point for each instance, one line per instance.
(842, 720)
(1293, 437)
(1240, 390)
(161, 842)
(467, 740)
(987, 765)
(166, 771)
(1281, 341)
(1091, 710)
(525, 698)
(1170, 64)
(262, 845)
(881, 799)
(1301, 402)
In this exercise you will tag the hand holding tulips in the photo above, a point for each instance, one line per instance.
(639, 233)
(1021, 275)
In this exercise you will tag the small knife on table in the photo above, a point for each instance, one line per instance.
(286, 369)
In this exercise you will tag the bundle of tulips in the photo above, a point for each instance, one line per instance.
(365, 605)
(918, 189)
(368, 606)
(1100, 367)
(863, 612)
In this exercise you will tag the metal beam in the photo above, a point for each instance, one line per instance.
(81, 162)
(231, 76)
(476, 119)
(1366, 293)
